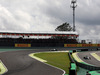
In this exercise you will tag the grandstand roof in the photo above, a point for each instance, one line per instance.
(40, 33)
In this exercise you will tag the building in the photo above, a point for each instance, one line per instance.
(37, 39)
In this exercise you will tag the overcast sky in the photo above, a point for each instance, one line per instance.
(46, 15)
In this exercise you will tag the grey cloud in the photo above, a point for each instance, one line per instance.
(44, 15)
(9, 22)
(88, 13)
(59, 11)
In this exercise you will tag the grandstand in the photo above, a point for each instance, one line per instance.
(38, 39)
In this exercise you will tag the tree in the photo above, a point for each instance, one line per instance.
(64, 27)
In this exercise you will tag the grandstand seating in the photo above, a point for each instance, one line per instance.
(10, 42)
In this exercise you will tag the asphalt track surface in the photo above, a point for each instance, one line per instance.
(19, 63)
(91, 61)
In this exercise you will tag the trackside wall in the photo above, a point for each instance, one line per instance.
(72, 69)
(87, 66)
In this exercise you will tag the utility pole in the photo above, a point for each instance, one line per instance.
(73, 5)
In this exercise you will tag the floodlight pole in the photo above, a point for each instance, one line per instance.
(73, 5)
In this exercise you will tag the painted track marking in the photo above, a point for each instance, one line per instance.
(3, 68)
(76, 57)
(33, 56)
(95, 56)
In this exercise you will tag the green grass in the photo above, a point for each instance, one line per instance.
(58, 59)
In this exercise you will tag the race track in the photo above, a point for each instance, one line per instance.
(19, 63)
(93, 61)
